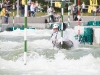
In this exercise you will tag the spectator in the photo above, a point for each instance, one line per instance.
(22, 9)
(6, 16)
(72, 8)
(94, 10)
(50, 12)
(39, 8)
(75, 12)
(36, 4)
(3, 12)
(43, 9)
(32, 9)
(9, 5)
(98, 10)
(83, 7)
(57, 17)
(5, 1)
(29, 12)
(1, 5)
(79, 18)
(14, 6)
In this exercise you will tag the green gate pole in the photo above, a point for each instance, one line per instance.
(62, 13)
(25, 33)
(0, 18)
(68, 14)
(1, 15)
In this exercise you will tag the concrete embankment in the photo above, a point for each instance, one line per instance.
(39, 23)
(42, 19)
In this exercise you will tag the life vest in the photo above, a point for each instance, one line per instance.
(54, 34)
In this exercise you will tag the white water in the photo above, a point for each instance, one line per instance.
(42, 59)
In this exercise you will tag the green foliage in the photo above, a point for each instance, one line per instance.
(0, 0)
(40, 1)
(87, 2)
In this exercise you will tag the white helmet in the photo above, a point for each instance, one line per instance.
(55, 26)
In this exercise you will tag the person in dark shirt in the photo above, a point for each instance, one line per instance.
(6, 16)
(75, 12)
(22, 9)
(98, 10)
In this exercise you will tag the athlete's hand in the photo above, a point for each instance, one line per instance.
(54, 41)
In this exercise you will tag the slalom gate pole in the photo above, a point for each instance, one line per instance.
(79, 19)
(25, 33)
(13, 13)
(68, 14)
(17, 15)
(1, 15)
(51, 2)
(62, 13)
(0, 18)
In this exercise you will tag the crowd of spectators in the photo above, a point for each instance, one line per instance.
(34, 7)
(6, 8)
(74, 11)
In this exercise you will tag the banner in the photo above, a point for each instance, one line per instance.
(23, 2)
(90, 9)
(58, 4)
(92, 4)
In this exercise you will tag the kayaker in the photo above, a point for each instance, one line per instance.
(56, 38)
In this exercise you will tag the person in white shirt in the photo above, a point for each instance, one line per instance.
(55, 35)
(83, 7)
(50, 12)
(56, 38)
(32, 9)
(72, 8)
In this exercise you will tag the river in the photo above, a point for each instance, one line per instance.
(42, 58)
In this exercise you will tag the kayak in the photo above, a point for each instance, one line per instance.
(65, 45)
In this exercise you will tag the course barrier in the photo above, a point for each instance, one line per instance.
(15, 28)
(88, 34)
(92, 23)
(86, 37)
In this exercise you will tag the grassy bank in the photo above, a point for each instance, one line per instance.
(42, 14)
(85, 14)
(38, 14)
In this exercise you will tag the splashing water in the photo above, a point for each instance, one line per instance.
(42, 59)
